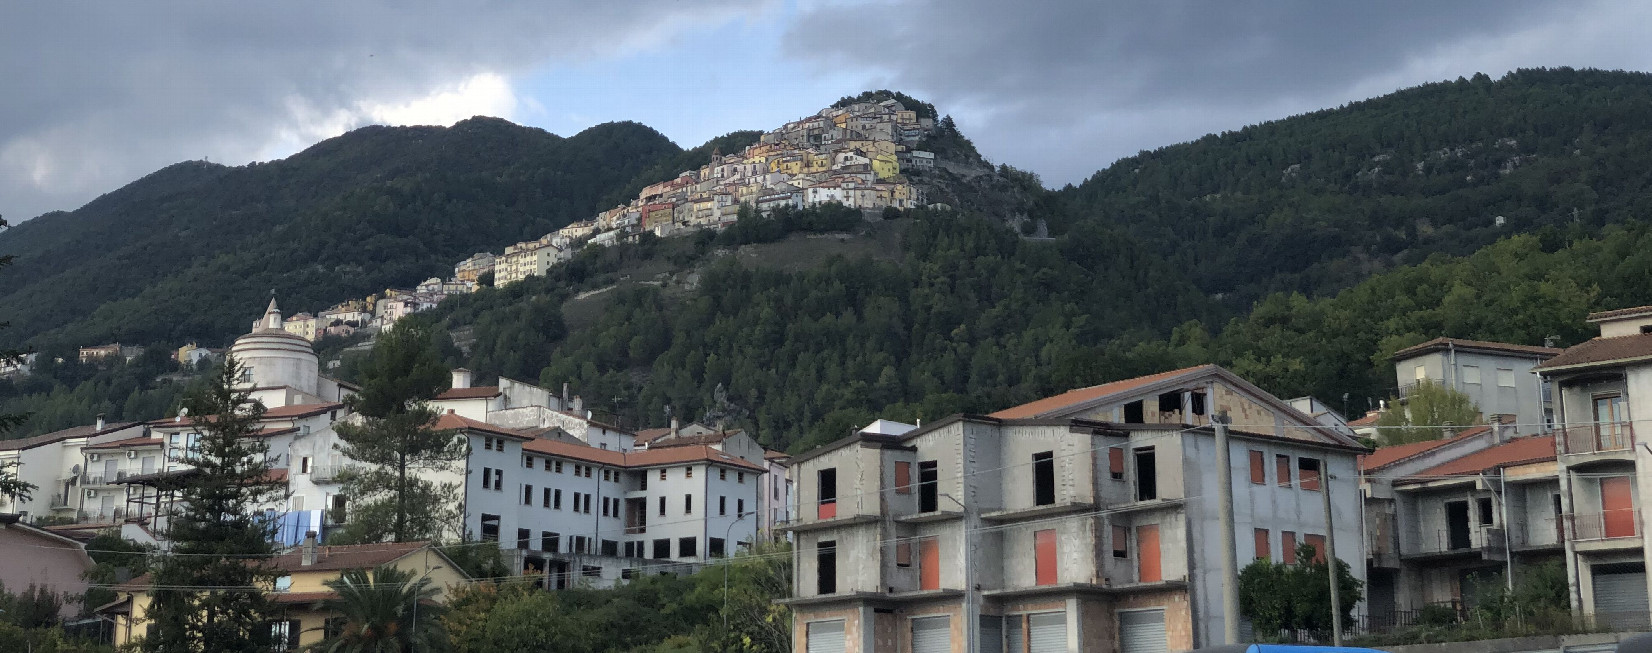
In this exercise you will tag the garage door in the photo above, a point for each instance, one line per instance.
(1047, 632)
(932, 635)
(1142, 631)
(1620, 596)
(825, 637)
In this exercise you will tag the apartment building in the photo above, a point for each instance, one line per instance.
(54, 464)
(1604, 396)
(1499, 377)
(1081, 522)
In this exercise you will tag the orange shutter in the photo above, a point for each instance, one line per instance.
(1262, 552)
(1121, 542)
(1318, 543)
(828, 509)
(1287, 546)
(1618, 505)
(1282, 470)
(929, 564)
(1147, 554)
(1258, 473)
(1310, 477)
(903, 477)
(1044, 557)
(903, 554)
(1115, 462)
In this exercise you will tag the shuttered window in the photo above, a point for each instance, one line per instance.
(1147, 554)
(1262, 552)
(1318, 543)
(931, 635)
(824, 637)
(1047, 632)
(1309, 471)
(929, 564)
(1287, 547)
(1282, 470)
(903, 477)
(1044, 563)
(1258, 468)
(1115, 463)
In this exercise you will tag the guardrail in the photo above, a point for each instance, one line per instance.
(1477, 538)
(1609, 525)
(1603, 437)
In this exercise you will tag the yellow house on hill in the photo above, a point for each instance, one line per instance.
(302, 592)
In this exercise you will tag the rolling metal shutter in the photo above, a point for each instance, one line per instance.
(1620, 597)
(825, 637)
(1142, 631)
(1014, 635)
(992, 634)
(1047, 632)
(932, 635)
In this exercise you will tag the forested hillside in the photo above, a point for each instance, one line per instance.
(1314, 203)
(191, 250)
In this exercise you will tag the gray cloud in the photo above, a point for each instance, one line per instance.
(97, 94)
(1064, 88)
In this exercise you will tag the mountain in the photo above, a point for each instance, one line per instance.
(189, 251)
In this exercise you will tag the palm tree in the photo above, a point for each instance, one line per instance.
(386, 610)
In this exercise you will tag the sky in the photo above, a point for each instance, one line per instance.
(96, 95)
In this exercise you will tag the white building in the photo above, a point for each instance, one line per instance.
(54, 464)
(1499, 377)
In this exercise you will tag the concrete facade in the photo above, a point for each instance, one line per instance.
(1042, 514)
(1501, 378)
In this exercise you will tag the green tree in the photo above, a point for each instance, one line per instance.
(384, 610)
(10, 485)
(397, 446)
(208, 596)
(1429, 410)
(745, 588)
(1278, 598)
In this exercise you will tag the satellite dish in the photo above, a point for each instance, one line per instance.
(74, 470)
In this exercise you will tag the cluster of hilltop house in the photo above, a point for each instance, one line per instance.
(853, 155)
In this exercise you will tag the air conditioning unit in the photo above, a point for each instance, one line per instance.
(93, 457)
(91, 493)
(131, 455)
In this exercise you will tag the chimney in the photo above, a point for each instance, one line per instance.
(674, 427)
(564, 405)
(100, 422)
(577, 406)
(461, 378)
(307, 550)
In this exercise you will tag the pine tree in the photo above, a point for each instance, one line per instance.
(209, 593)
(397, 445)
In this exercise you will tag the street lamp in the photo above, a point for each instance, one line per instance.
(726, 533)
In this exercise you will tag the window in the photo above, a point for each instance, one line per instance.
(1147, 475)
(903, 477)
(1287, 547)
(523, 537)
(527, 462)
(1486, 512)
(1044, 478)
(498, 480)
(739, 507)
(550, 542)
(688, 472)
(1471, 374)
(740, 477)
(548, 465)
(487, 478)
(545, 497)
(605, 474)
(490, 528)
(688, 504)
(610, 548)
(1197, 399)
(1309, 473)
(1262, 549)
(686, 547)
(662, 474)
(1505, 378)
(1044, 571)
(1421, 373)
(487, 443)
(826, 480)
(929, 564)
(304, 465)
(662, 548)
(582, 544)
(714, 547)
(587, 504)
(929, 486)
(590, 571)
(556, 500)
(1133, 413)
(559, 467)
(722, 506)
(826, 567)
(1115, 463)
(1258, 470)
(527, 495)
(722, 474)
(662, 506)
(1282, 470)
(642, 482)
(1318, 543)
(587, 471)
(1121, 542)
(605, 506)
(1147, 554)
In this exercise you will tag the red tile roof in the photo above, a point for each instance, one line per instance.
(650, 458)
(1619, 313)
(1520, 451)
(1603, 350)
(1369, 419)
(1504, 347)
(575, 452)
(1385, 456)
(139, 441)
(19, 444)
(1084, 395)
(453, 421)
(478, 392)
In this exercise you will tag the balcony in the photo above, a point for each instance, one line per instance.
(1594, 438)
(326, 473)
(1485, 542)
(1538, 535)
(93, 480)
(59, 502)
(1605, 526)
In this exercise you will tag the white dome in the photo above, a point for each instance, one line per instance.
(272, 357)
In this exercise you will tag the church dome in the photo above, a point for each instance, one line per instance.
(272, 357)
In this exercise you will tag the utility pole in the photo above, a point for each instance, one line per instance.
(1331, 556)
(1224, 509)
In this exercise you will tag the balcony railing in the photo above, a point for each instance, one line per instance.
(1609, 525)
(90, 479)
(326, 473)
(1541, 532)
(1486, 539)
(59, 501)
(1597, 438)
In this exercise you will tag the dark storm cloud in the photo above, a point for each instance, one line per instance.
(1066, 87)
(96, 94)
